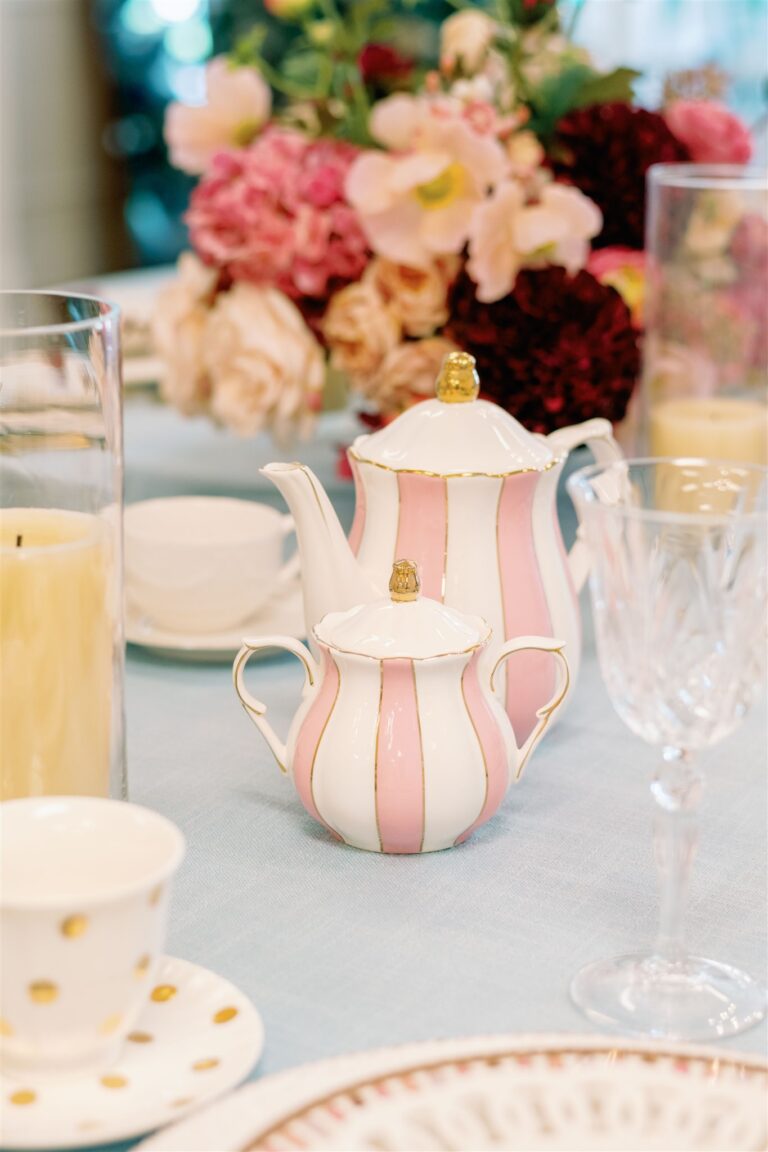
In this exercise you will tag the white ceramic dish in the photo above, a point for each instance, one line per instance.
(197, 1037)
(284, 614)
(508, 1092)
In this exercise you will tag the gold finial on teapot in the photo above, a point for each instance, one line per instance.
(404, 583)
(458, 381)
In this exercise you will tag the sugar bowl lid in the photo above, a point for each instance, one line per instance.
(403, 625)
(456, 434)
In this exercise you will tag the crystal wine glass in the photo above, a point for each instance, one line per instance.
(680, 604)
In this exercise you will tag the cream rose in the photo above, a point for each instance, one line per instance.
(179, 325)
(360, 328)
(266, 368)
(407, 374)
(465, 39)
(419, 295)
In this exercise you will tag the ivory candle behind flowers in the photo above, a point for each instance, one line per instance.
(56, 639)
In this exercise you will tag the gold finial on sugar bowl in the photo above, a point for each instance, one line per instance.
(458, 382)
(404, 583)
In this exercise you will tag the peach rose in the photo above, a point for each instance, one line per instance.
(407, 374)
(360, 327)
(238, 104)
(710, 132)
(178, 330)
(419, 295)
(266, 368)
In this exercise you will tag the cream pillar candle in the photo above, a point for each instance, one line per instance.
(716, 428)
(55, 653)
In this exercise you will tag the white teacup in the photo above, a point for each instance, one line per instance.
(83, 913)
(201, 564)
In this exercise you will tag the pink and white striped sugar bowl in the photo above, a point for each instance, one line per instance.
(399, 744)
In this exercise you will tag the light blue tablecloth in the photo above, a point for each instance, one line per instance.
(343, 950)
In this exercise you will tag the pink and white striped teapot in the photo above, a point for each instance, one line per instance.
(460, 486)
(399, 744)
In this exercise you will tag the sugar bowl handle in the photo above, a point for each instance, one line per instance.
(538, 644)
(255, 708)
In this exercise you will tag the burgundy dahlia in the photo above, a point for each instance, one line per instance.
(559, 349)
(605, 150)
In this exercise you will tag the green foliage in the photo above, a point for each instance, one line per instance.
(575, 86)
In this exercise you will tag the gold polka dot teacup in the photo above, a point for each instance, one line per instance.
(83, 911)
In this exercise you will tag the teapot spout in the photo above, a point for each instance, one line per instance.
(332, 578)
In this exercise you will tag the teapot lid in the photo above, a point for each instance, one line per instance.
(456, 434)
(403, 625)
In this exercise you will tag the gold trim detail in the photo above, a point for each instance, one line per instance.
(317, 749)
(553, 463)
(741, 1063)
(545, 713)
(500, 575)
(435, 656)
(482, 751)
(376, 757)
(421, 753)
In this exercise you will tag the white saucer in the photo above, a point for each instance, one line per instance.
(197, 1039)
(282, 616)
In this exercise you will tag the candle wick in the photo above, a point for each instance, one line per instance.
(18, 540)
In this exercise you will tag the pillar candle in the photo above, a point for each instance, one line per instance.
(56, 639)
(716, 428)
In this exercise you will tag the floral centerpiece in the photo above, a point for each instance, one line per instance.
(362, 209)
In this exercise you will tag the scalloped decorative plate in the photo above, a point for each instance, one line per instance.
(580, 1094)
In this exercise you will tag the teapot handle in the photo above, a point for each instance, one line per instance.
(597, 434)
(255, 709)
(538, 644)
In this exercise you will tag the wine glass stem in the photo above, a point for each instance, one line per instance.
(676, 788)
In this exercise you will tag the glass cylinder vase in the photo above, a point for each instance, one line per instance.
(705, 357)
(61, 592)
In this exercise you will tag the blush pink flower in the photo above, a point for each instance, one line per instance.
(415, 202)
(275, 213)
(508, 233)
(238, 104)
(711, 133)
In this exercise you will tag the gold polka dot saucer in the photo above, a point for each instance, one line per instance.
(197, 1037)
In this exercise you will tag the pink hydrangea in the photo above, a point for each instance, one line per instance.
(276, 213)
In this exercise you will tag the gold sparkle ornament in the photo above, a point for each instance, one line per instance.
(140, 1037)
(224, 1015)
(205, 1065)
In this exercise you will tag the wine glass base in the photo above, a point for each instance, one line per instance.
(693, 999)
